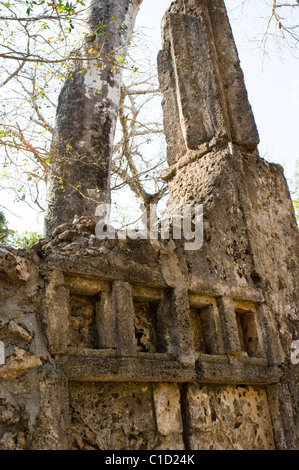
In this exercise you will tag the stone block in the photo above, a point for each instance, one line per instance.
(167, 409)
(229, 418)
(119, 416)
(56, 313)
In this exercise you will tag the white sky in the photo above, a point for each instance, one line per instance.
(272, 84)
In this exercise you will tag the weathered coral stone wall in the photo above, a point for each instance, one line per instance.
(126, 416)
(150, 416)
(105, 348)
(226, 417)
(140, 344)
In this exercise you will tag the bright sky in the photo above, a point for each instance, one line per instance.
(272, 84)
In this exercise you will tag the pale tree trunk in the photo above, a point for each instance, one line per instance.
(87, 115)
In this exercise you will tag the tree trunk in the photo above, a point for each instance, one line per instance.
(87, 114)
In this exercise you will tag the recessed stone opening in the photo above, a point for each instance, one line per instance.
(83, 321)
(145, 323)
(201, 326)
(248, 335)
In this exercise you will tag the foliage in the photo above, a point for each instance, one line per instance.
(27, 126)
(30, 94)
(4, 230)
(24, 240)
(37, 49)
(34, 53)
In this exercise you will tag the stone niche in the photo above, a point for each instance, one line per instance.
(205, 324)
(248, 329)
(151, 314)
(145, 323)
(83, 328)
(86, 309)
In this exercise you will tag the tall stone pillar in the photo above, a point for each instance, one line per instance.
(201, 79)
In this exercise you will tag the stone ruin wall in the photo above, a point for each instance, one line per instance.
(124, 344)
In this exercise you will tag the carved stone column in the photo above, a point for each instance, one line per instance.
(201, 79)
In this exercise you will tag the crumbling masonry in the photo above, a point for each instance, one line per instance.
(124, 344)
